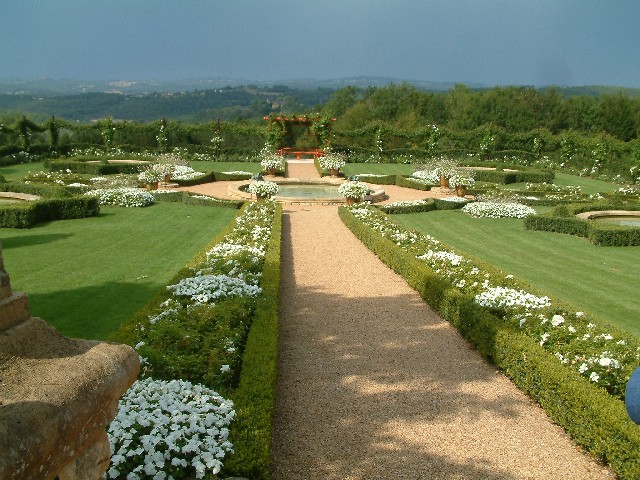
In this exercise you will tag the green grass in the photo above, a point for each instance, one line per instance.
(379, 168)
(14, 172)
(587, 185)
(87, 276)
(602, 281)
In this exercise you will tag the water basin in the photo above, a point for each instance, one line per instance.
(626, 218)
(308, 191)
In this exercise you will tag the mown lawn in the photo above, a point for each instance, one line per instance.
(600, 280)
(14, 172)
(253, 167)
(87, 276)
(379, 168)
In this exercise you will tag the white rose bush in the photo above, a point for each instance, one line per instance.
(172, 423)
(578, 342)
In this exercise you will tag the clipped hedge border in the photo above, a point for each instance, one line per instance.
(254, 399)
(94, 168)
(189, 198)
(45, 191)
(409, 182)
(593, 418)
(377, 179)
(205, 178)
(28, 214)
(230, 177)
(602, 234)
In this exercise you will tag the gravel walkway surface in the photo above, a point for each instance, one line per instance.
(372, 384)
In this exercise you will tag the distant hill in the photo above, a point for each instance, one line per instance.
(200, 100)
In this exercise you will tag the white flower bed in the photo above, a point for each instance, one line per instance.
(497, 210)
(122, 197)
(167, 428)
(503, 297)
(406, 203)
(272, 162)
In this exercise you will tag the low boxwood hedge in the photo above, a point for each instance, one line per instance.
(410, 182)
(595, 420)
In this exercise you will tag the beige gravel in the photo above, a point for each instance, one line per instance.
(372, 384)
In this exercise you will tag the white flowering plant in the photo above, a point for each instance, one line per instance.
(604, 358)
(428, 177)
(150, 176)
(200, 342)
(353, 189)
(263, 188)
(169, 430)
(181, 172)
(462, 178)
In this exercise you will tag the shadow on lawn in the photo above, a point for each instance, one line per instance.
(29, 240)
(92, 312)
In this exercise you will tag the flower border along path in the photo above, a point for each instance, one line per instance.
(373, 384)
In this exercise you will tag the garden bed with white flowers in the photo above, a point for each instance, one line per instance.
(199, 336)
(575, 368)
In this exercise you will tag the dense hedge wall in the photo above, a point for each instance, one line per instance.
(594, 419)
(45, 191)
(28, 214)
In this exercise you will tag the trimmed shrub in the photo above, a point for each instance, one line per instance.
(95, 168)
(28, 214)
(409, 182)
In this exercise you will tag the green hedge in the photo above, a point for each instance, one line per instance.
(594, 419)
(205, 178)
(409, 182)
(230, 177)
(28, 214)
(254, 399)
(45, 191)
(506, 177)
(94, 168)
(378, 179)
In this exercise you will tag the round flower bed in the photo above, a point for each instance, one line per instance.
(497, 210)
(263, 188)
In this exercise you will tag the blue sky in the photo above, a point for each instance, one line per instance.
(494, 42)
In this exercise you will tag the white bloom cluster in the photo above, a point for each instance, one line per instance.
(497, 210)
(405, 203)
(122, 197)
(208, 288)
(442, 256)
(272, 162)
(502, 297)
(165, 427)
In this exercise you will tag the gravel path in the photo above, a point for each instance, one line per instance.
(372, 384)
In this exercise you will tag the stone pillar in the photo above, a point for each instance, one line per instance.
(57, 397)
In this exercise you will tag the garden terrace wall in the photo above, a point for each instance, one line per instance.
(593, 418)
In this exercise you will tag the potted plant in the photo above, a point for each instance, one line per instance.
(271, 162)
(333, 162)
(263, 189)
(461, 180)
(442, 167)
(353, 191)
(165, 170)
(150, 177)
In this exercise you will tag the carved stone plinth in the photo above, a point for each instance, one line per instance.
(57, 395)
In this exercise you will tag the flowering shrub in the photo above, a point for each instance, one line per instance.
(170, 430)
(333, 161)
(576, 341)
(497, 210)
(355, 190)
(122, 197)
(263, 188)
(271, 161)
